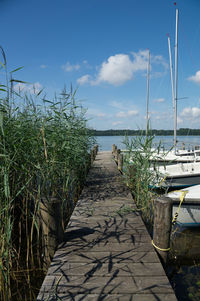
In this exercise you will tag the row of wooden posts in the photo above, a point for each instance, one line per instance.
(51, 221)
(162, 215)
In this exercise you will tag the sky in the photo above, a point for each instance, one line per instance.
(101, 47)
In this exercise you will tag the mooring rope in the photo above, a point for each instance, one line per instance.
(182, 196)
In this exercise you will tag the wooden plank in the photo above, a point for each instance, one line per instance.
(107, 252)
(108, 297)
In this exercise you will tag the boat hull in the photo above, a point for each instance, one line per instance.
(189, 215)
(178, 182)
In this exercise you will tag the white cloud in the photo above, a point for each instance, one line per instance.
(117, 122)
(30, 88)
(179, 120)
(116, 104)
(190, 113)
(96, 113)
(116, 71)
(195, 78)
(120, 68)
(123, 114)
(83, 79)
(159, 100)
(43, 66)
(68, 67)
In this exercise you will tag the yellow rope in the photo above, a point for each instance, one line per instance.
(182, 196)
(164, 250)
(162, 180)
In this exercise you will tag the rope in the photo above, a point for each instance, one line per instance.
(159, 184)
(182, 196)
(164, 250)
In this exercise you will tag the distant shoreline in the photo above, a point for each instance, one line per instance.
(125, 132)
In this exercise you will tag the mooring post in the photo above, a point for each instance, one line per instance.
(113, 148)
(120, 162)
(162, 226)
(96, 149)
(92, 155)
(114, 151)
(51, 224)
(118, 151)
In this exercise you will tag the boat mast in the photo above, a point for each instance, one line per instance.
(170, 63)
(176, 78)
(147, 109)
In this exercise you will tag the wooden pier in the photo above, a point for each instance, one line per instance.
(107, 252)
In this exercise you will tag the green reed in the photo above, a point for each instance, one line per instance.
(137, 173)
(44, 152)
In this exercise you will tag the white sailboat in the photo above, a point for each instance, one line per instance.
(175, 155)
(175, 176)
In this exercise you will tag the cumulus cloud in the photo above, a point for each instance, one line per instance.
(195, 78)
(84, 79)
(190, 113)
(158, 100)
(130, 113)
(30, 88)
(120, 68)
(69, 67)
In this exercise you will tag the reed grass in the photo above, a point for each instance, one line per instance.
(137, 172)
(44, 152)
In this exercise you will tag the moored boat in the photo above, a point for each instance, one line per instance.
(189, 213)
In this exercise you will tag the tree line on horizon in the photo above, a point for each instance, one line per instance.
(124, 132)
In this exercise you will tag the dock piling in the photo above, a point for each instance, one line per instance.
(162, 226)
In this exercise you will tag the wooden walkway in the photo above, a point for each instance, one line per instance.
(107, 252)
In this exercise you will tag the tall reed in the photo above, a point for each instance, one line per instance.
(44, 152)
(138, 174)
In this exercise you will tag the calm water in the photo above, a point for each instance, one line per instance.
(105, 142)
(184, 268)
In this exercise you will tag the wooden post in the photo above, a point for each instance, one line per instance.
(162, 226)
(92, 154)
(117, 155)
(113, 148)
(114, 151)
(51, 224)
(120, 162)
(96, 149)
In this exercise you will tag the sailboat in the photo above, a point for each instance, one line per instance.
(182, 174)
(175, 155)
(175, 176)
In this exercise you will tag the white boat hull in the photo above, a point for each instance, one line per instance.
(176, 176)
(189, 213)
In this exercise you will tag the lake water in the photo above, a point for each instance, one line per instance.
(106, 142)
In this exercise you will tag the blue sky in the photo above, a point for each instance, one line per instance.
(101, 48)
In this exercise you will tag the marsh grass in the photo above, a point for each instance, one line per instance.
(137, 174)
(44, 152)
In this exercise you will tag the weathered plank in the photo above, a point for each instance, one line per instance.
(107, 252)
